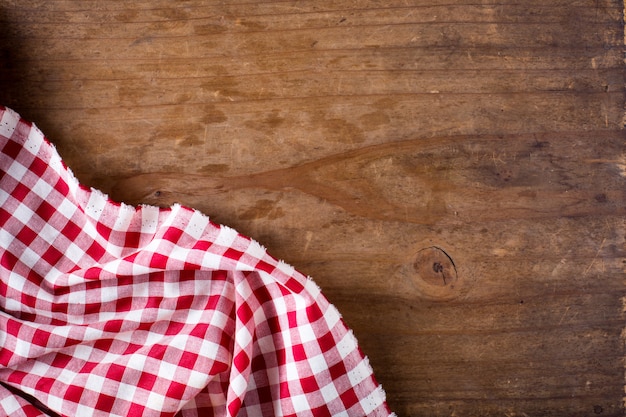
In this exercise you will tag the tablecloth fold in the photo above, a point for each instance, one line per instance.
(112, 310)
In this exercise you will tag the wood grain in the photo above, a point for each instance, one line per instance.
(452, 176)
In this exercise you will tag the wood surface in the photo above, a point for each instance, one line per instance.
(451, 174)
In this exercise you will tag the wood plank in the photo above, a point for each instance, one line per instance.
(452, 176)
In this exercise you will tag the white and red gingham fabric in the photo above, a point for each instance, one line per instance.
(112, 310)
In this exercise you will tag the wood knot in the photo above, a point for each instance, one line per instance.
(436, 272)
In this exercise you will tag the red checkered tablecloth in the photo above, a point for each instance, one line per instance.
(113, 310)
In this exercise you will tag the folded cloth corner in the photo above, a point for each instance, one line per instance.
(112, 310)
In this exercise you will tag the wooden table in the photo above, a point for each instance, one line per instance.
(452, 176)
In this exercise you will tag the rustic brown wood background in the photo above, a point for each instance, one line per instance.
(452, 175)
